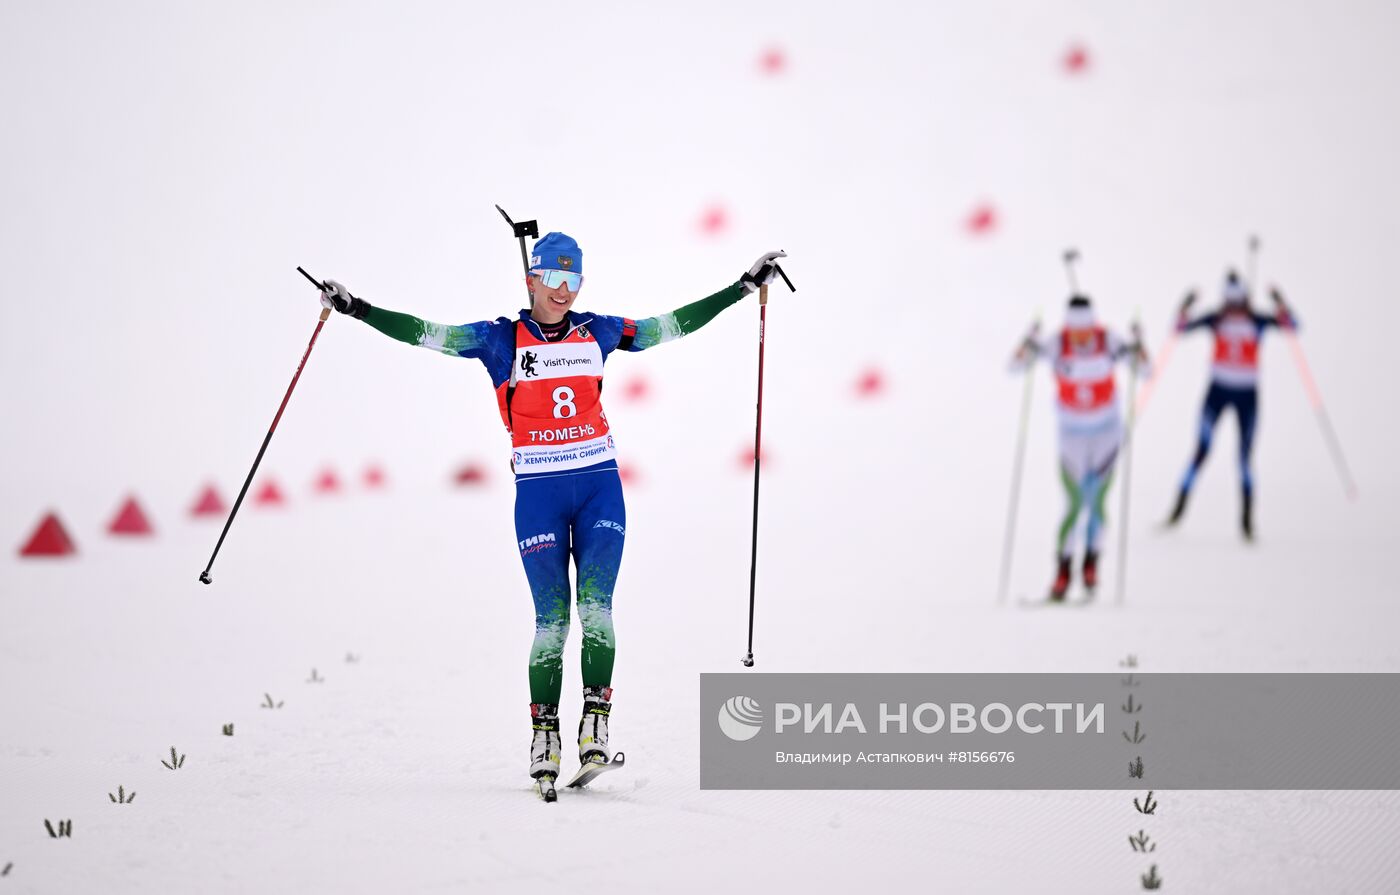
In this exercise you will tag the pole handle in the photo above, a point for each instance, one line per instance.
(325, 312)
(315, 282)
(763, 295)
(782, 273)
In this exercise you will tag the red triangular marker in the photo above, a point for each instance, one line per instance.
(470, 474)
(209, 503)
(636, 388)
(714, 220)
(773, 61)
(374, 477)
(982, 220)
(269, 495)
(49, 539)
(746, 459)
(130, 520)
(1076, 59)
(327, 482)
(870, 383)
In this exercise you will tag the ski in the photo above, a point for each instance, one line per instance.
(589, 771)
(1086, 599)
(544, 785)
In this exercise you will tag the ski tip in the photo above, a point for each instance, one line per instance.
(544, 785)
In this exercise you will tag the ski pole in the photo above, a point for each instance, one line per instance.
(757, 448)
(1300, 360)
(1128, 465)
(1339, 459)
(1071, 256)
(325, 314)
(1163, 356)
(1252, 252)
(1009, 537)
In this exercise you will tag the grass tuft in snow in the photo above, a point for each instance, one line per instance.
(1150, 879)
(65, 828)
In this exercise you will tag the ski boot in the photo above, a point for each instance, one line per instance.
(1061, 585)
(1091, 570)
(545, 748)
(594, 757)
(1247, 517)
(593, 727)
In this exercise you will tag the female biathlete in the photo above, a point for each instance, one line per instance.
(1234, 382)
(1083, 355)
(547, 369)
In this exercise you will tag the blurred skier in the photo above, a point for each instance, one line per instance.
(1082, 355)
(547, 369)
(1234, 382)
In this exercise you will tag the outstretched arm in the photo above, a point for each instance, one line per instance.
(640, 335)
(683, 321)
(466, 340)
(1185, 322)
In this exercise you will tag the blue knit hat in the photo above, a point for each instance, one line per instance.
(557, 251)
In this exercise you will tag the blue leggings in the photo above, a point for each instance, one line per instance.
(1246, 404)
(580, 515)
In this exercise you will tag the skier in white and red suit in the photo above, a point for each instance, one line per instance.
(1082, 355)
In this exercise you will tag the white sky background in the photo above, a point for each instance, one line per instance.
(165, 167)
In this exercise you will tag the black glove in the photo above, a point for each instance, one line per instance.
(334, 295)
(1188, 301)
(762, 272)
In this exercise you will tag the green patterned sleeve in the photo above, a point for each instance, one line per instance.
(684, 320)
(467, 340)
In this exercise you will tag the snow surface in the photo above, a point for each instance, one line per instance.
(164, 169)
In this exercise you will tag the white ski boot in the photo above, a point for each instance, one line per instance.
(545, 748)
(594, 757)
(593, 727)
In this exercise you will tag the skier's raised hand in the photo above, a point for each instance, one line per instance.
(1285, 317)
(762, 272)
(1028, 349)
(1187, 302)
(336, 296)
(1139, 350)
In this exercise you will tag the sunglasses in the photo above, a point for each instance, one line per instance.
(553, 279)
